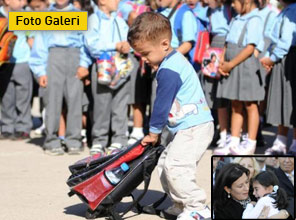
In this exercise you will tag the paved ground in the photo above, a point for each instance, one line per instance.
(33, 185)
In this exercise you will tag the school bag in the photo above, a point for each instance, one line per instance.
(7, 40)
(89, 183)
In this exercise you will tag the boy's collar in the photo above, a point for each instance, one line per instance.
(249, 15)
(104, 16)
(168, 56)
(69, 7)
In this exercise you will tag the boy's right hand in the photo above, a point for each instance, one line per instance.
(151, 138)
(43, 81)
(82, 72)
(123, 47)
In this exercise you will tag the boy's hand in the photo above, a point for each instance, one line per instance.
(123, 47)
(150, 139)
(43, 81)
(256, 53)
(82, 72)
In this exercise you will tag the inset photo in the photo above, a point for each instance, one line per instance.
(253, 187)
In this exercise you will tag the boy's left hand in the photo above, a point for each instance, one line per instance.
(151, 138)
(82, 72)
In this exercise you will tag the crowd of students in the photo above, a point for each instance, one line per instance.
(257, 73)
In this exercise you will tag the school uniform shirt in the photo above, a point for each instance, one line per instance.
(254, 26)
(189, 27)
(180, 102)
(219, 20)
(284, 33)
(102, 35)
(201, 13)
(253, 211)
(270, 15)
(21, 50)
(44, 40)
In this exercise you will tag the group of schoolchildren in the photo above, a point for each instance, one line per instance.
(64, 64)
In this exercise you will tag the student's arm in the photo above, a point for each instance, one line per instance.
(189, 32)
(226, 67)
(168, 84)
(38, 57)
(253, 211)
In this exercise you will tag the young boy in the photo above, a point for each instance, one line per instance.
(55, 61)
(16, 85)
(107, 34)
(179, 103)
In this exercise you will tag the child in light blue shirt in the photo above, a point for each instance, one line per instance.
(107, 33)
(16, 85)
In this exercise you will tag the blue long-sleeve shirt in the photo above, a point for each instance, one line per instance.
(21, 50)
(180, 101)
(102, 35)
(44, 40)
(284, 33)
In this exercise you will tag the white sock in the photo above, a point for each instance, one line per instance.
(281, 139)
(235, 140)
(137, 132)
(252, 143)
(223, 135)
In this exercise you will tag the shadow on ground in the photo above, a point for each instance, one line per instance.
(150, 197)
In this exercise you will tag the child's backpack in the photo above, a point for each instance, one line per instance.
(202, 38)
(90, 183)
(7, 40)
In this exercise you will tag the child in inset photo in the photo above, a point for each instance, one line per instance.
(267, 191)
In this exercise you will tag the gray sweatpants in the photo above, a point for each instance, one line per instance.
(62, 82)
(178, 162)
(110, 109)
(16, 101)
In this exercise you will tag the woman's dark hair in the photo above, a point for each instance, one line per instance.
(226, 177)
(268, 178)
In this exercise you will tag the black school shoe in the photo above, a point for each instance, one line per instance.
(6, 136)
(19, 136)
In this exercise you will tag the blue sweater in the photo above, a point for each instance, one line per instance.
(180, 101)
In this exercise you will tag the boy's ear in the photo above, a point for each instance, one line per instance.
(165, 44)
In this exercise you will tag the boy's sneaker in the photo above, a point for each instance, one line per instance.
(96, 148)
(114, 148)
(74, 150)
(19, 136)
(171, 212)
(195, 215)
(6, 136)
(54, 151)
(40, 130)
(276, 149)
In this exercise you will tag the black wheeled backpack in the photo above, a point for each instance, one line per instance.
(89, 183)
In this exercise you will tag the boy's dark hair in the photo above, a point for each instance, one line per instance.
(226, 177)
(268, 178)
(86, 6)
(149, 26)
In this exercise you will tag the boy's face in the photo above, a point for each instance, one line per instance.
(14, 5)
(62, 3)
(153, 53)
(38, 5)
(191, 3)
(110, 5)
(236, 4)
(260, 191)
(166, 3)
